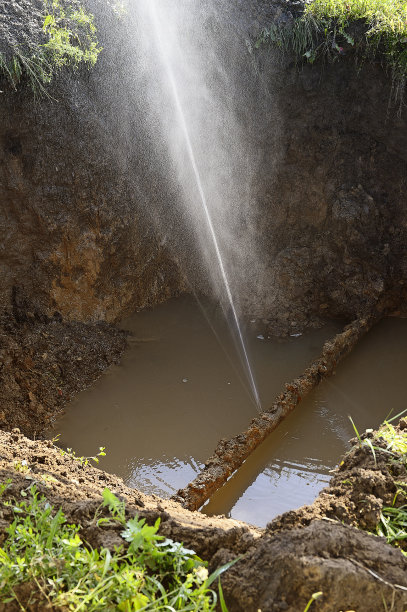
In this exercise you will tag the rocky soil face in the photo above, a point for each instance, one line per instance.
(336, 216)
(316, 548)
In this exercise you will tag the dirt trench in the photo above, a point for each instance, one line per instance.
(229, 455)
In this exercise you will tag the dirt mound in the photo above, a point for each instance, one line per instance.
(354, 571)
(299, 553)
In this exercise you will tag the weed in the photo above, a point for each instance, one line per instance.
(313, 598)
(153, 573)
(391, 434)
(116, 507)
(356, 431)
(83, 460)
(396, 439)
(4, 486)
(71, 34)
(71, 39)
(393, 525)
(393, 519)
(21, 466)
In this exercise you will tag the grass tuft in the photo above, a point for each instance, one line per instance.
(392, 441)
(329, 29)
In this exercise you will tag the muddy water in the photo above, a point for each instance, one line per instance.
(162, 411)
(294, 463)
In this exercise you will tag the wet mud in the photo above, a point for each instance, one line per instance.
(44, 362)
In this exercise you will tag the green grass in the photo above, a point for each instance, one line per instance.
(396, 439)
(46, 557)
(330, 29)
(393, 442)
(70, 40)
(393, 525)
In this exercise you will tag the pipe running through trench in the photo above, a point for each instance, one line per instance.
(229, 455)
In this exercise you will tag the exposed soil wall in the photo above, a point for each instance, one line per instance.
(90, 225)
(74, 174)
(336, 212)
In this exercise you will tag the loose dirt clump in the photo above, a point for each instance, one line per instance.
(362, 485)
(44, 362)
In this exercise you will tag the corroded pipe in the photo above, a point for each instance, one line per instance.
(230, 454)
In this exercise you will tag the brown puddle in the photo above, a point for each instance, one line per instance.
(162, 411)
(293, 464)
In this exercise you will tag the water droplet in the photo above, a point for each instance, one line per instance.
(184, 380)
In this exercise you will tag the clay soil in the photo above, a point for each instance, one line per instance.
(316, 548)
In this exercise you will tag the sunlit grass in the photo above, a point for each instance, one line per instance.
(396, 439)
(70, 39)
(45, 557)
(385, 16)
(329, 29)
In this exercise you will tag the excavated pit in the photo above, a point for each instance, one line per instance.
(89, 236)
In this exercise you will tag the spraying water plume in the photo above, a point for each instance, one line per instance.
(159, 33)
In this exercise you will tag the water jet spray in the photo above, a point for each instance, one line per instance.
(158, 31)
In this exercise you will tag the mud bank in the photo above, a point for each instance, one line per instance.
(316, 548)
(44, 362)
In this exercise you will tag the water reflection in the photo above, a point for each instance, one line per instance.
(162, 411)
(293, 464)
